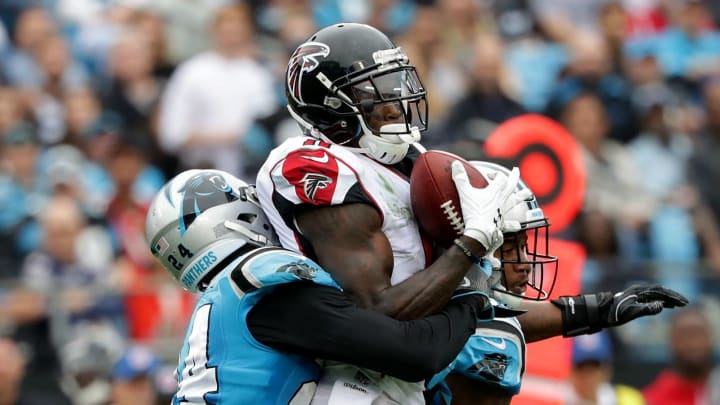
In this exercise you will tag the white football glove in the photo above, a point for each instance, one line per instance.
(508, 226)
(483, 208)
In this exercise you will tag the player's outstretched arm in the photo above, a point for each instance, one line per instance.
(581, 314)
(321, 322)
(349, 243)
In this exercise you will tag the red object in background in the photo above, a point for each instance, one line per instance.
(645, 22)
(547, 363)
(550, 163)
(153, 312)
(154, 305)
(670, 388)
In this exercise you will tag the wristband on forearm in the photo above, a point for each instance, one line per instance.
(581, 314)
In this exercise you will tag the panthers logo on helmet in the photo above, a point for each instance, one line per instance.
(201, 192)
(304, 59)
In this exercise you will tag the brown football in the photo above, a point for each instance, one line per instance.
(434, 198)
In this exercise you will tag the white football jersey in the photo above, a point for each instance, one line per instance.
(305, 171)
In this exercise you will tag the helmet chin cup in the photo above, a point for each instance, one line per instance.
(386, 147)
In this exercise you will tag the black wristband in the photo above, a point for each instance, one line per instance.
(580, 314)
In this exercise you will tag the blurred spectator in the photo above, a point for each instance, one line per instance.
(21, 195)
(186, 25)
(534, 62)
(58, 74)
(58, 69)
(60, 293)
(612, 180)
(390, 16)
(99, 139)
(135, 269)
(11, 373)
(69, 272)
(487, 102)
(12, 109)
(714, 8)
(39, 61)
(695, 377)
(134, 91)
(133, 377)
(590, 69)
(286, 24)
(151, 24)
(666, 152)
(212, 99)
(441, 75)
(562, 19)
(642, 68)
(462, 22)
(33, 25)
(613, 22)
(514, 19)
(82, 109)
(65, 170)
(591, 373)
(87, 364)
(704, 170)
(691, 48)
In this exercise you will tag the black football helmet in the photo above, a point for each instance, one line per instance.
(349, 81)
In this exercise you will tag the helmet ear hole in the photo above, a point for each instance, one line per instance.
(246, 217)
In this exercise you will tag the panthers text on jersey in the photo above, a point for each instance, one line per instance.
(221, 362)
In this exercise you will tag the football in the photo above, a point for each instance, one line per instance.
(434, 198)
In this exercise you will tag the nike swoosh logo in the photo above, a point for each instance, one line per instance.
(322, 159)
(500, 345)
(465, 282)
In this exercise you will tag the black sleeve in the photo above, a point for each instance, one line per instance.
(321, 322)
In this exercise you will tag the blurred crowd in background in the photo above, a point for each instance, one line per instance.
(101, 101)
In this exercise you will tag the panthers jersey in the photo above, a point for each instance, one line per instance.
(305, 171)
(221, 362)
(494, 355)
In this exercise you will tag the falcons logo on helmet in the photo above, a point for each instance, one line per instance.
(303, 60)
(312, 182)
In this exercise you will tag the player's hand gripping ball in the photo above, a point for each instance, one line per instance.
(435, 199)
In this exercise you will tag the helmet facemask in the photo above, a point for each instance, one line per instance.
(528, 271)
(390, 105)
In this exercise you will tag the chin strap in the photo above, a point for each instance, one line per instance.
(391, 145)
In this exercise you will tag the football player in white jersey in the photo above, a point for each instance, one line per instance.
(339, 192)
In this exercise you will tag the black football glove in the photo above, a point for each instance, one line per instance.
(476, 281)
(590, 313)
